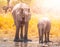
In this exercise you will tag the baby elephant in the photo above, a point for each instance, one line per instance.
(21, 15)
(44, 27)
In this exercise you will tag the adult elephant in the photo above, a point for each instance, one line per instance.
(21, 15)
(44, 26)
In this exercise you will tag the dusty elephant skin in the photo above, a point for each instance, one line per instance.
(44, 27)
(21, 14)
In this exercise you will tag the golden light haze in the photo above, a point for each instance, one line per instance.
(39, 9)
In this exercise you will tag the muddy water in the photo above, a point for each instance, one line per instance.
(28, 44)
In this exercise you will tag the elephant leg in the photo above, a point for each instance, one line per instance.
(41, 35)
(45, 36)
(40, 32)
(21, 34)
(48, 37)
(48, 32)
(17, 34)
(26, 31)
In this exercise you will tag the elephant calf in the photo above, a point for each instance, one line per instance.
(21, 15)
(44, 27)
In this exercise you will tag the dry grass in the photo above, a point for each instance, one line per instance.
(7, 27)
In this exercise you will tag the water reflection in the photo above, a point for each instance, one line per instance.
(20, 44)
(28, 44)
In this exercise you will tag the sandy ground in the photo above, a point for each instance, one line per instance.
(29, 44)
(6, 42)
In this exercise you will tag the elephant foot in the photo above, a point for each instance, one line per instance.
(47, 41)
(16, 40)
(21, 40)
(41, 42)
(26, 40)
